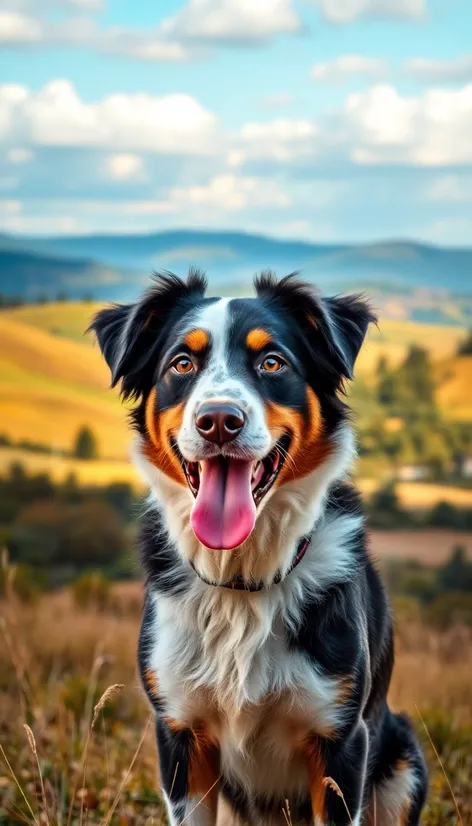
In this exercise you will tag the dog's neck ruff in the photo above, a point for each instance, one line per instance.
(238, 583)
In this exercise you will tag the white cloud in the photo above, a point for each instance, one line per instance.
(280, 139)
(430, 130)
(347, 66)
(19, 155)
(451, 189)
(277, 101)
(40, 6)
(232, 193)
(185, 35)
(149, 45)
(10, 207)
(56, 116)
(344, 11)
(17, 28)
(233, 21)
(378, 126)
(458, 69)
(125, 166)
(459, 228)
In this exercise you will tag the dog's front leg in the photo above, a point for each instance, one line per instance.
(337, 776)
(189, 766)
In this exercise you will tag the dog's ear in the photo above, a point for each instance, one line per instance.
(335, 326)
(129, 334)
(344, 323)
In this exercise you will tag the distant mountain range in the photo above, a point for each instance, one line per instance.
(406, 279)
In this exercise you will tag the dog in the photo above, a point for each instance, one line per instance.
(266, 646)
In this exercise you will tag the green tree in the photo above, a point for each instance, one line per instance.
(385, 382)
(85, 446)
(456, 574)
(415, 378)
(465, 347)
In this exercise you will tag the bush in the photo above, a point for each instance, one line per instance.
(85, 446)
(92, 591)
(384, 509)
(443, 515)
(450, 609)
(21, 580)
(446, 732)
(456, 574)
(83, 534)
(411, 579)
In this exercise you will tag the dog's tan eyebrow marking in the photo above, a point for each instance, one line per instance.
(197, 340)
(257, 339)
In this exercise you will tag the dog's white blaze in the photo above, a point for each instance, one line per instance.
(215, 383)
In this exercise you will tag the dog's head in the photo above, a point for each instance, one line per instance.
(235, 397)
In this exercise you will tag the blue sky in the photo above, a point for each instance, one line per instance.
(346, 120)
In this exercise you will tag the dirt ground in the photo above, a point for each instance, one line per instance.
(431, 547)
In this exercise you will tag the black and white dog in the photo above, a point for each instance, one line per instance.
(266, 646)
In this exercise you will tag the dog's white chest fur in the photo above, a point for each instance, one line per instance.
(223, 657)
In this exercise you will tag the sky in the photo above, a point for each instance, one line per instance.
(324, 120)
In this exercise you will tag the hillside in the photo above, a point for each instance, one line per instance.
(406, 279)
(29, 274)
(51, 386)
(53, 380)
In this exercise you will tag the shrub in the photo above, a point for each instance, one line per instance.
(92, 591)
(447, 733)
(81, 535)
(85, 446)
(410, 578)
(22, 581)
(456, 574)
(447, 610)
(384, 508)
(445, 515)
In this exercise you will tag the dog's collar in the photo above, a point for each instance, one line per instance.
(238, 583)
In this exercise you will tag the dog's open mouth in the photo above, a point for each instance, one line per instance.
(227, 492)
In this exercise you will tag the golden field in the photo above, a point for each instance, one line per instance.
(53, 379)
(58, 659)
(87, 472)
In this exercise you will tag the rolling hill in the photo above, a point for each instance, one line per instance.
(50, 386)
(406, 279)
(29, 274)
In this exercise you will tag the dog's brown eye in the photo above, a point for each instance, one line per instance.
(272, 364)
(183, 365)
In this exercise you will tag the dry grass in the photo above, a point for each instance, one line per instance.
(95, 748)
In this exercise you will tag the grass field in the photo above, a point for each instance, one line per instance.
(57, 660)
(53, 379)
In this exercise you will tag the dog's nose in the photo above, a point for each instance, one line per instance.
(219, 422)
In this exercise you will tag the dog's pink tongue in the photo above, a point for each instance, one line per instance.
(224, 512)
